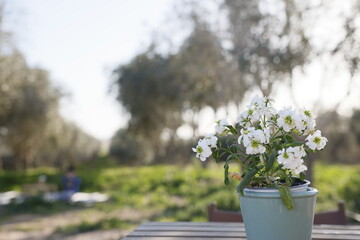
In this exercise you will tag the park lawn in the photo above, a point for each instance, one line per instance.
(164, 193)
(331, 179)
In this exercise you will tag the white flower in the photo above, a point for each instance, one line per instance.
(283, 156)
(308, 113)
(255, 147)
(298, 151)
(202, 150)
(245, 118)
(267, 135)
(316, 141)
(259, 135)
(220, 126)
(288, 119)
(258, 102)
(292, 159)
(261, 105)
(299, 169)
(254, 140)
(270, 112)
(211, 140)
(306, 123)
(245, 135)
(257, 111)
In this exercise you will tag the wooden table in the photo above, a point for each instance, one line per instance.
(227, 231)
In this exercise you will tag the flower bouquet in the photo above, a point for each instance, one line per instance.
(269, 145)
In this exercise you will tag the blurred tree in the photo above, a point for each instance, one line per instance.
(268, 40)
(32, 131)
(66, 144)
(337, 50)
(347, 47)
(207, 76)
(30, 123)
(148, 91)
(125, 148)
(355, 124)
(265, 44)
(28, 118)
(343, 134)
(156, 89)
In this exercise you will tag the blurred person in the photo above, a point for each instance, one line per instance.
(70, 184)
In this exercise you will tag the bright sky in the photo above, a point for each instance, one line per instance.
(80, 42)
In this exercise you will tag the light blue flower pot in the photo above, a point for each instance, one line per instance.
(266, 217)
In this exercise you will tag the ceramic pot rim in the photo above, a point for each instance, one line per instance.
(309, 192)
(299, 188)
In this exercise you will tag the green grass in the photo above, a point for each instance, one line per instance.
(13, 180)
(331, 180)
(36, 205)
(174, 193)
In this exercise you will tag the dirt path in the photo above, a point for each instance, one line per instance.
(44, 235)
(35, 227)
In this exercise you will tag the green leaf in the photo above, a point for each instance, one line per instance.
(232, 129)
(302, 176)
(246, 180)
(266, 156)
(270, 162)
(215, 155)
(226, 172)
(248, 157)
(218, 154)
(230, 158)
(298, 143)
(294, 144)
(255, 161)
(286, 197)
(280, 137)
(226, 169)
(289, 138)
(237, 147)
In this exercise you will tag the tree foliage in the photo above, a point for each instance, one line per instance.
(268, 43)
(343, 134)
(32, 131)
(261, 46)
(157, 88)
(208, 76)
(148, 91)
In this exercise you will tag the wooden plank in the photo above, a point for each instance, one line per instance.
(169, 228)
(191, 228)
(178, 238)
(348, 227)
(192, 224)
(186, 234)
(223, 224)
(225, 235)
(231, 238)
(336, 231)
(234, 229)
(334, 237)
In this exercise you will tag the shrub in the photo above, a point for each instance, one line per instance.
(351, 193)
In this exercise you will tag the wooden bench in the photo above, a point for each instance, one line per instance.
(337, 217)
